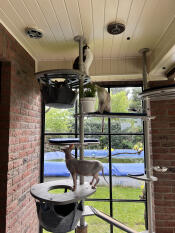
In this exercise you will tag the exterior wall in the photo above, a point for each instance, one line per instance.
(163, 152)
(20, 109)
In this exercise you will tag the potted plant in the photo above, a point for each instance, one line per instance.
(88, 101)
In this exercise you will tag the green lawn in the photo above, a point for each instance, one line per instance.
(131, 214)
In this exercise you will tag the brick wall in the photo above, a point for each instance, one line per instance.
(20, 137)
(163, 149)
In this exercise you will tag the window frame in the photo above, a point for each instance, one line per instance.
(109, 134)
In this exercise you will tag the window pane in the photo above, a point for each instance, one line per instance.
(95, 224)
(130, 214)
(126, 99)
(134, 142)
(126, 125)
(95, 124)
(59, 120)
(128, 192)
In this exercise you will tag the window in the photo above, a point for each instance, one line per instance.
(120, 150)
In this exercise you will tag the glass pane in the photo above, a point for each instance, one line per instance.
(102, 191)
(132, 142)
(128, 192)
(130, 214)
(126, 125)
(95, 125)
(54, 161)
(126, 99)
(127, 148)
(95, 224)
(59, 120)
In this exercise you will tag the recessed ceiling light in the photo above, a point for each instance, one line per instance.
(115, 28)
(34, 33)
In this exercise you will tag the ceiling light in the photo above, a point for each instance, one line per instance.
(34, 33)
(115, 28)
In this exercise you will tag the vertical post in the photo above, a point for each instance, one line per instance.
(110, 170)
(146, 106)
(81, 90)
(80, 40)
(42, 147)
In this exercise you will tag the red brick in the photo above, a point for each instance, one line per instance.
(20, 95)
(162, 189)
(164, 230)
(163, 154)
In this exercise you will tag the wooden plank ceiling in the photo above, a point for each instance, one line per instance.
(149, 23)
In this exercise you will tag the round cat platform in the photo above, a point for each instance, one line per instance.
(75, 141)
(41, 192)
(159, 93)
(70, 76)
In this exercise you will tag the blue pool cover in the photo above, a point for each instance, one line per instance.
(118, 169)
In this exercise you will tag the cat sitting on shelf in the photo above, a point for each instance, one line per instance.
(104, 102)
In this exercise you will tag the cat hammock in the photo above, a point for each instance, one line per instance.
(56, 86)
(59, 212)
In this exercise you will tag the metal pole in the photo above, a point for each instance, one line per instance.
(110, 170)
(146, 106)
(80, 40)
(42, 148)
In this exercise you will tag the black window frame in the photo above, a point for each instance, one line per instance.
(109, 134)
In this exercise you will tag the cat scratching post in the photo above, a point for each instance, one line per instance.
(83, 226)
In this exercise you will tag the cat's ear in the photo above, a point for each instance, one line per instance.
(71, 146)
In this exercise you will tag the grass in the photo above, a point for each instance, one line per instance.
(131, 214)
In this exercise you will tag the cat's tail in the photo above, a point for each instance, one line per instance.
(104, 176)
(102, 124)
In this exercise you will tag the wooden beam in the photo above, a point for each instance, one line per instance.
(162, 54)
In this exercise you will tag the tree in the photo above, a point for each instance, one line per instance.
(119, 102)
(58, 120)
(136, 102)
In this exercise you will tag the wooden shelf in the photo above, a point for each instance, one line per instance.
(142, 116)
(143, 178)
(75, 141)
(41, 192)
